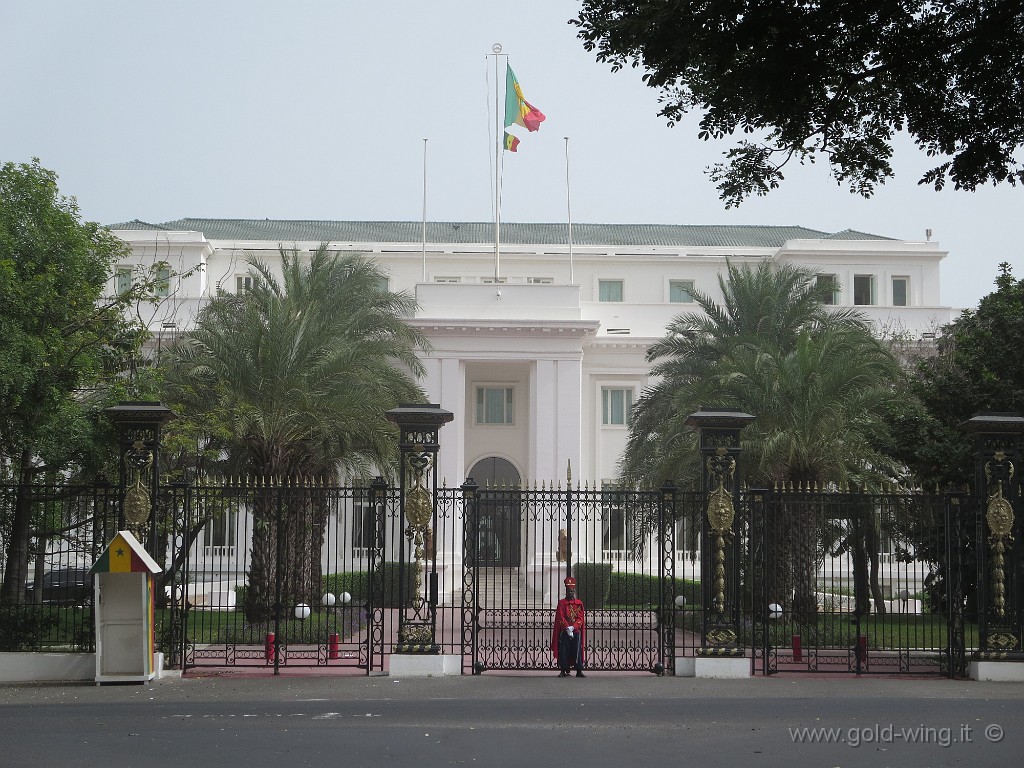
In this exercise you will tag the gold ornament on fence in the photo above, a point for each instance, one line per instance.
(419, 511)
(721, 514)
(137, 502)
(999, 516)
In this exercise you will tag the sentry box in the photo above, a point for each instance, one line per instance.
(124, 583)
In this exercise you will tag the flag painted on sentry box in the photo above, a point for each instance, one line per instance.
(518, 110)
(120, 557)
(511, 142)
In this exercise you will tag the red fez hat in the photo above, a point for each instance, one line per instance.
(570, 582)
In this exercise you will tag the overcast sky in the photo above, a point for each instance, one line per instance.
(318, 109)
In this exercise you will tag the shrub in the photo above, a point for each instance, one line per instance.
(593, 581)
(386, 589)
(23, 628)
(638, 589)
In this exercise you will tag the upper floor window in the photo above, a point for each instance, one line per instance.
(493, 280)
(442, 279)
(383, 285)
(123, 279)
(864, 290)
(540, 280)
(616, 405)
(830, 287)
(609, 290)
(680, 291)
(243, 283)
(495, 405)
(900, 290)
(162, 287)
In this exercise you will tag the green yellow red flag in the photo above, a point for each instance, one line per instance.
(518, 111)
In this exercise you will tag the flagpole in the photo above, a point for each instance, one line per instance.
(568, 208)
(424, 238)
(498, 136)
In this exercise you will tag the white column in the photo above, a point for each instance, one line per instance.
(450, 393)
(543, 423)
(569, 378)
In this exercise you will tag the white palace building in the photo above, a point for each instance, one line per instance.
(540, 351)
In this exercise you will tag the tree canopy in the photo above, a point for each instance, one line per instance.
(814, 377)
(979, 367)
(294, 374)
(63, 340)
(835, 80)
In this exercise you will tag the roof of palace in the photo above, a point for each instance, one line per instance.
(512, 233)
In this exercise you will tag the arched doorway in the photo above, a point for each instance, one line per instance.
(499, 504)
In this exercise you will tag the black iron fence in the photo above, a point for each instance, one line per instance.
(859, 582)
(265, 573)
(50, 535)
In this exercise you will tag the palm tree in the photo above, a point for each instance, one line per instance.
(817, 381)
(300, 371)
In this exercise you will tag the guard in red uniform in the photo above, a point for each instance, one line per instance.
(569, 635)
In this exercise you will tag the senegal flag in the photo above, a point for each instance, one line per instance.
(511, 142)
(517, 109)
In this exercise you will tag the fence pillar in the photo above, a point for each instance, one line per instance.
(418, 446)
(719, 433)
(999, 460)
(138, 425)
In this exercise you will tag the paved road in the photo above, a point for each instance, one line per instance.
(494, 720)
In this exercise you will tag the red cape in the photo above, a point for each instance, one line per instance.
(569, 613)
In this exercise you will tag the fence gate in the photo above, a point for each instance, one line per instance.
(863, 583)
(271, 574)
(519, 545)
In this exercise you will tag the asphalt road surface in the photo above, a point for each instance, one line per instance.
(496, 720)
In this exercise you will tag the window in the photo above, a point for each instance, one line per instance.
(680, 291)
(363, 528)
(220, 535)
(440, 279)
(493, 280)
(123, 280)
(494, 405)
(383, 284)
(863, 289)
(616, 406)
(829, 285)
(243, 283)
(163, 282)
(609, 290)
(616, 524)
(900, 286)
(540, 280)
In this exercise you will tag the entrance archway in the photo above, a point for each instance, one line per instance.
(499, 531)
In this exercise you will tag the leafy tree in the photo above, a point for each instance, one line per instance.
(295, 377)
(979, 367)
(64, 340)
(835, 80)
(814, 377)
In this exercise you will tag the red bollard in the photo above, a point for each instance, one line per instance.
(332, 653)
(269, 647)
(798, 651)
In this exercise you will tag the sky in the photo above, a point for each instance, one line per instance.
(318, 109)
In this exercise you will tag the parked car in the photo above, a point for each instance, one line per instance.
(63, 586)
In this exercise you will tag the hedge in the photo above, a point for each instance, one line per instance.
(386, 592)
(638, 589)
(357, 584)
(593, 581)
